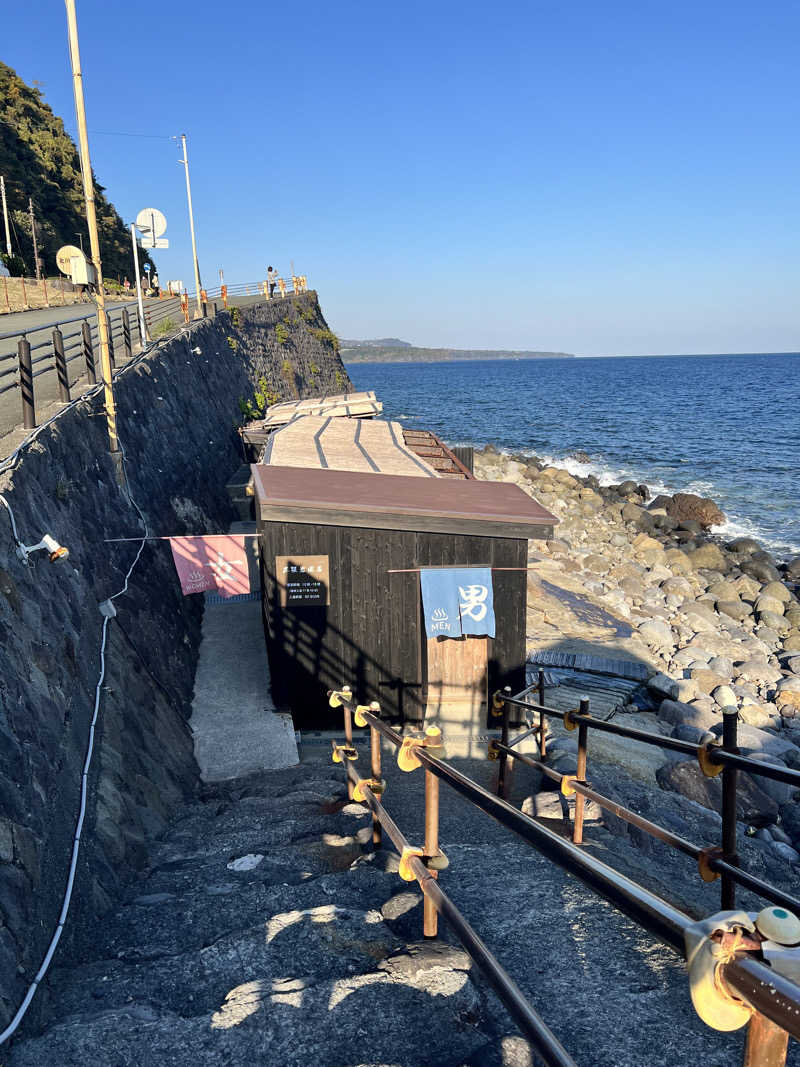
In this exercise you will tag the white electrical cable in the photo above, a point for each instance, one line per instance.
(76, 844)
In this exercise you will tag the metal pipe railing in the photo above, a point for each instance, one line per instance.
(527, 1019)
(716, 754)
(688, 848)
(767, 993)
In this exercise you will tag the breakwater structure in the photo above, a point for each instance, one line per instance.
(177, 409)
(261, 917)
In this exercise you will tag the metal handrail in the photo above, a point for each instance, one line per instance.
(749, 881)
(715, 754)
(766, 992)
(529, 1021)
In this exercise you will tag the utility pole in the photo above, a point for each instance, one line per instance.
(94, 241)
(185, 162)
(5, 213)
(33, 235)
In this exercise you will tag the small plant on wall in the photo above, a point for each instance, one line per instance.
(262, 398)
(281, 333)
(327, 337)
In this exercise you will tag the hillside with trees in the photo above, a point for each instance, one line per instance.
(39, 159)
(392, 350)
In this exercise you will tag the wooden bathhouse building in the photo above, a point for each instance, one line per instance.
(349, 511)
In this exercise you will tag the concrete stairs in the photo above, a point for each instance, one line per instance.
(313, 953)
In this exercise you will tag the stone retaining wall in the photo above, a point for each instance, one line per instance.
(177, 411)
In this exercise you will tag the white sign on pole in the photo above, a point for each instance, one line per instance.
(152, 224)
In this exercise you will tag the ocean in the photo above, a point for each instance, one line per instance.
(724, 426)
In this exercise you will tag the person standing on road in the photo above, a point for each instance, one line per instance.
(271, 274)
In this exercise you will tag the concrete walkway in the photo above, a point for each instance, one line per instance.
(236, 728)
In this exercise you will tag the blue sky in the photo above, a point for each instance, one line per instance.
(604, 179)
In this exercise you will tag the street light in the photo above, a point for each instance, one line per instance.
(185, 162)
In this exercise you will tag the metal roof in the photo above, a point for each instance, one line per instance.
(398, 502)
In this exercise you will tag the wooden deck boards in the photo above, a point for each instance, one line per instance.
(346, 405)
(375, 446)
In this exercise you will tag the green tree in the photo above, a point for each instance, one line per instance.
(39, 159)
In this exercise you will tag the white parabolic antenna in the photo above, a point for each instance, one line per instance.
(65, 255)
(151, 222)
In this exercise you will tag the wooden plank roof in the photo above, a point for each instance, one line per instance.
(398, 502)
(346, 405)
(368, 446)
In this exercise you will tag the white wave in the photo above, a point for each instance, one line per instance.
(734, 527)
(608, 474)
(605, 473)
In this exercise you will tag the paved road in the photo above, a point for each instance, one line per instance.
(46, 393)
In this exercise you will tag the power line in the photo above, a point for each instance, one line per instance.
(122, 133)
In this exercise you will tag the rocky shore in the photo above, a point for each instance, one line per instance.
(717, 625)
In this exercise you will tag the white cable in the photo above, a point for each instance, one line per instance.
(14, 533)
(76, 843)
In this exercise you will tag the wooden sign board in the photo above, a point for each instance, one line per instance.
(303, 581)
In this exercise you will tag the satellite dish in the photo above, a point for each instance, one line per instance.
(65, 255)
(151, 222)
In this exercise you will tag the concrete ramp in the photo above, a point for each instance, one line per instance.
(236, 728)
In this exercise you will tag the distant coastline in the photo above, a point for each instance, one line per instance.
(393, 350)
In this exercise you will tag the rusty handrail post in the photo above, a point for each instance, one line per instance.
(88, 352)
(430, 916)
(729, 776)
(542, 722)
(348, 729)
(580, 799)
(61, 366)
(502, 777)
(375, 770)
(766, 1044)
(26, 382)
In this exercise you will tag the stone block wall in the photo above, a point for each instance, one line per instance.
(177, 412)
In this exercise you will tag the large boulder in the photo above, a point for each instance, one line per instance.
(777, 590)
(758, 670)
(777, 623)
(751, 739)
(656, 633)
(709, 557)
(793, 568)
(753, 805)
(678, 562)
(787, 695)
(745, 546)
(770, 603)
(760, 570)
(701, 509)
(663, 686)
(734, 609)
(706, 680)
(674, 712)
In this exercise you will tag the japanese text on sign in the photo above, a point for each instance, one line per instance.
(303, 580)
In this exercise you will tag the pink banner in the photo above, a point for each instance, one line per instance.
(215, 564)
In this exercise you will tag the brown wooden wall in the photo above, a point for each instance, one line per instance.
(371, 635)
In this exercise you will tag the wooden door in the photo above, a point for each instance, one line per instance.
(457, 680)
